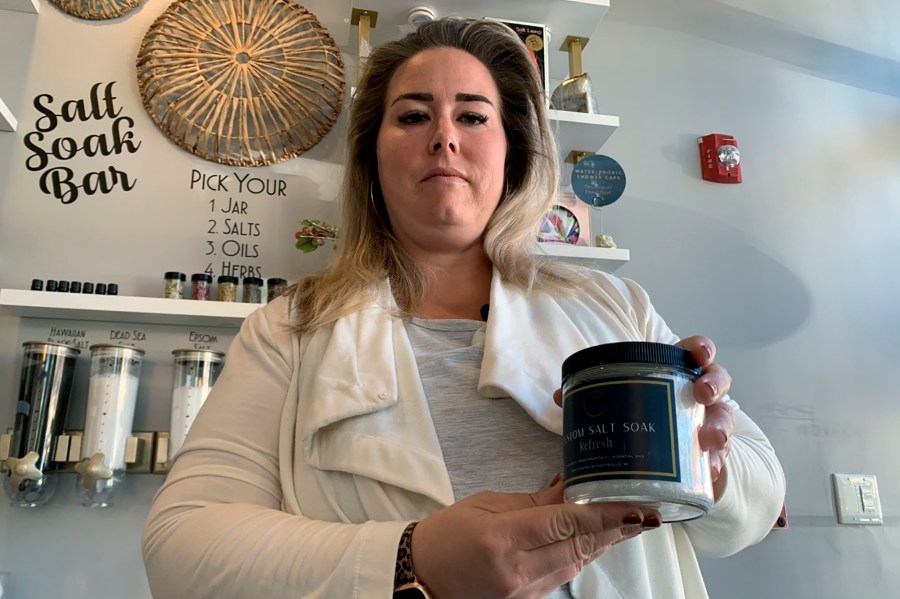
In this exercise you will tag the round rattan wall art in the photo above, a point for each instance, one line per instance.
(96, 9)
(241, 82)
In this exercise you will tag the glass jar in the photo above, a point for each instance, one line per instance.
(200, 284)
(44, 388)
(252, 290)
(196, 372)
(112, 395)
(630, 429)
(274, 288)
(227, 291)
(174, 282)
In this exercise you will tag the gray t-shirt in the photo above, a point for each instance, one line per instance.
(488, 444)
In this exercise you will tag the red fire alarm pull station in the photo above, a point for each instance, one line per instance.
(720, 159)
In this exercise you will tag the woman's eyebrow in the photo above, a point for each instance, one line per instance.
(473, 98)
(428, 97)
(420, 96)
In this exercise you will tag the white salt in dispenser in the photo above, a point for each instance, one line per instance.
(26, 455)
(112, 395)
(196, 372)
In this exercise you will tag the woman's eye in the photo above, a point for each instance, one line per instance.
(473, 118)
(412, 117)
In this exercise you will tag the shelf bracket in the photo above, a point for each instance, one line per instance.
(575, 156)
(365, 20)
(574, 44)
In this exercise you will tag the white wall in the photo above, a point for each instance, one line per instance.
(793, 273)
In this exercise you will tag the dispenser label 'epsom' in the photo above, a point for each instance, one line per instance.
(621, 428)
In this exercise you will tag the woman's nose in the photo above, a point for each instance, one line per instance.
(443, 138)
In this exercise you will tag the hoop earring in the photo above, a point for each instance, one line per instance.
(375, 209)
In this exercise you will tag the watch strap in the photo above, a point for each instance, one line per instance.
(403, 570)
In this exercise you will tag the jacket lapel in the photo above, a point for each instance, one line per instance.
(362, 409)
(530, 334)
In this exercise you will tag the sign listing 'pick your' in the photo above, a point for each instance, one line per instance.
(598, 180)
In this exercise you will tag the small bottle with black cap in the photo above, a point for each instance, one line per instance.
(174, 281)
(200, 283)
(227, 291)
(252, 292)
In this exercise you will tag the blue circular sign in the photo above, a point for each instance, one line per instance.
(598, 180)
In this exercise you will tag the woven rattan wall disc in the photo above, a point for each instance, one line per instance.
(241, 82)
(96, 9)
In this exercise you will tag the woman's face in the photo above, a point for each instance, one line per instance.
(441, 151)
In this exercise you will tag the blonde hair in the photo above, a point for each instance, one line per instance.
(368, 253)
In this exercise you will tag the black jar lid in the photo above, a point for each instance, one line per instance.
(201, 276)
(175, 275)
(646, 352)
(253, 281)
(276, 281)
(228, 279)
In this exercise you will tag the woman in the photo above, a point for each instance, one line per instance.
(343, 449)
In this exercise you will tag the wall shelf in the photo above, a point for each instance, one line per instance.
(563, 17)
(581, 131)
(25, 303)
(7, 121)
(29, 6)
(122, 308)
(607, 259)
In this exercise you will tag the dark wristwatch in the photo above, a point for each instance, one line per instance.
(406, 585)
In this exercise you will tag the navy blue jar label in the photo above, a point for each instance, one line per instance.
(621, 428)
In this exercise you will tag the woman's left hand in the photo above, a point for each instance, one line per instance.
(709, 388)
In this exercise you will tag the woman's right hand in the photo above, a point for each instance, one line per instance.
(521, 545)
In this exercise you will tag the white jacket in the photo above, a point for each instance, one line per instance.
(311, 455)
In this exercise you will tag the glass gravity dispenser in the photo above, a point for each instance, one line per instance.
(196, 372)
(29, 467)
(112, 395)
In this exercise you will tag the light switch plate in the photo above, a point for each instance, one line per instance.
(856, 499)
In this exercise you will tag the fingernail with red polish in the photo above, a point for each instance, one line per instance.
(651, 521)
(556, 479)
(632, 519)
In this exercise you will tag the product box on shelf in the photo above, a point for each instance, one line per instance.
(535, 38)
